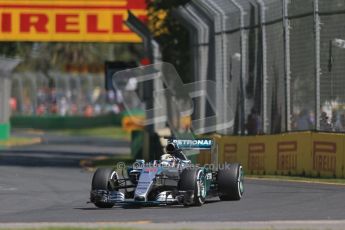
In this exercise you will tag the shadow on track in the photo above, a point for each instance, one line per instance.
(132, 206)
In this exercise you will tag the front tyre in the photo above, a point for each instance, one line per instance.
(103, 179)
(193, 180)
(230, 182)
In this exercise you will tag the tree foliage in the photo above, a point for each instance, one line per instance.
(171, 35)
(57, 56)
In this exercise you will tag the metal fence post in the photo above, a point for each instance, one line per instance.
(153, 53)
(287, 63)
(190, 17)
(215, 16)
(243, 65)
(203, 52)
(264, 65)
(224, 63)
(19, 92)
(6, 67)
(317, 63)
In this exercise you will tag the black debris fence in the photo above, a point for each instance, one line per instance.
(277, 64)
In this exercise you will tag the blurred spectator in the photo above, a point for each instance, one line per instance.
(303, 121)
(115, 109)
(67, 96)
(342, 121)
(336, 121)
(96, 94)
(88, 111)
(111, 96)
(97, 109)
(312, 120)
(41, 96)
(13, 104)
(63, 106)
(324, 124)
(259, 126)
(119, 97)
(252, 123)
(41, 110)
(74, 109)
(53, 108)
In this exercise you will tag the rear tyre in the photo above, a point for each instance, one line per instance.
(193, 180)
(230, 182)
(103, 179)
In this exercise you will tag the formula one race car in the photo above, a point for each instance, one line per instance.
(171, 180)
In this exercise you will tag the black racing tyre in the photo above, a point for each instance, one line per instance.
(230, 182)
(101, 181)
(193, 179)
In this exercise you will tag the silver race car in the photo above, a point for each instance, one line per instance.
(172, 180)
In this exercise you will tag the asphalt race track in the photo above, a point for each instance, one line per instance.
(40, 193)
(49, 194)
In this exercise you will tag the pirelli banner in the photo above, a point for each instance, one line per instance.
(303, 153)
(68, 20)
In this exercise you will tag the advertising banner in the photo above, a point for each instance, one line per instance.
(69, 20)
(300, 154)
(327, 155)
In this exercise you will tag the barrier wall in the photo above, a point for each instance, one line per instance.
(58, 122)
(4, 131)
(300, 154)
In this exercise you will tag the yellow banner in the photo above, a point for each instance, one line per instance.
(72, 20)
(327, 155)
(303, 153)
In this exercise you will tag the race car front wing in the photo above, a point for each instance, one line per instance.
(118, 198)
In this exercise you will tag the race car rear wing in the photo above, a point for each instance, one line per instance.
(197, 144)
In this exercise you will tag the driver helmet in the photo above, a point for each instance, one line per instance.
(166, 160)
(167, 157)
(171, 148)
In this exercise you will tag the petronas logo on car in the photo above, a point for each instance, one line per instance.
(198, 143)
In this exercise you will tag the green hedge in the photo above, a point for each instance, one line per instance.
(68, 122)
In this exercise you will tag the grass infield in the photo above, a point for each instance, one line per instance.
(19, 141)
(107, 132)
(337, 181)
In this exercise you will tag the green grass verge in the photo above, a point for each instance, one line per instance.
(120, 228)
(107, 132)
(18, 141)
(299, 179)
(72, 228)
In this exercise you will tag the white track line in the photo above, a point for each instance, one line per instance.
(143, 224)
